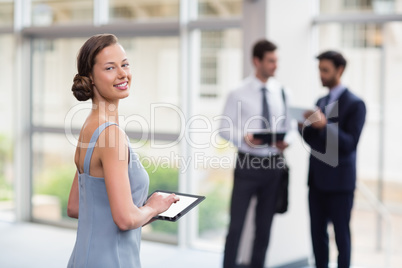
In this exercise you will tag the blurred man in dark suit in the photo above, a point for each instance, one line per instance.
(333, 133)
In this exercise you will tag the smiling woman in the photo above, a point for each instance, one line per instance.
(111, 71)
(107, 195)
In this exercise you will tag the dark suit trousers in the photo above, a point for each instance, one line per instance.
(252, 179)
(332, 207)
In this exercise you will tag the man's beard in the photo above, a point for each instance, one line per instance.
(329, 83)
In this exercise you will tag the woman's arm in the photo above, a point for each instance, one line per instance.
(73, 199)
(114, 160)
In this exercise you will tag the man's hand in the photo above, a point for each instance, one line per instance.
(281, 145)
(250, 140)
(317, 118)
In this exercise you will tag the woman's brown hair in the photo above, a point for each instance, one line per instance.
(82, 84)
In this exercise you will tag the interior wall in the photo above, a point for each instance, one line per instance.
(289, 26)
(290, 235)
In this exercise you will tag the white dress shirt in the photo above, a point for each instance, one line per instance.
(243, 114)
(336, 92)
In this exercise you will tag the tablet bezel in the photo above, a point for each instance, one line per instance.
(198, 200)
(268, 137)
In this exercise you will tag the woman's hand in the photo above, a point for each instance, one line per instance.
(160, 202)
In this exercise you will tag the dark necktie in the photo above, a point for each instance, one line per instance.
(265, 111)
(324, 104)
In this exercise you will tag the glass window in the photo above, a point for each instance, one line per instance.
(54, 169)
(393, 96)
(54, 67)
(361, 36)
(120, 10)
(361, 6)
(152, 107)
(53, 173)
(6, 13)
(218, 50)
(211, 44)
(7, 54)
(56, 12)
(221, 8)
(372, 73)
(155, 94)
(162, 165)
(154, 66)
(213, 161)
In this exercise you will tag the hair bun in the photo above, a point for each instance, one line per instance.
(82, 88)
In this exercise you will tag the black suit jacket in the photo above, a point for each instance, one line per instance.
(333, 149)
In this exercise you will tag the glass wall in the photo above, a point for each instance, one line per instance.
(220, 62)
(55, 106)
(7, 54)
(154, 65)
(152, 116)
(361, 6)
(222, 8)
(151, 111)
(374, 61)
(143, 10)
(163, 167)
(54, 67)
(53, 171)
(57, 116)
(61, 12)
(6, 13)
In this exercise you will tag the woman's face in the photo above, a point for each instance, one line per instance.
(111, 73)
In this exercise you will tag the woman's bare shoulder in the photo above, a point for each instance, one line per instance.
(88, 129)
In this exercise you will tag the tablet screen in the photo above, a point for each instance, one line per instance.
(179, 206)
(298, 113)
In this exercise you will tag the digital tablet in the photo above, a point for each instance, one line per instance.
(177, 210)
(270, 137)
(297, 113)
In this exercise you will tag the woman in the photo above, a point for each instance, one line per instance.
(110, 185)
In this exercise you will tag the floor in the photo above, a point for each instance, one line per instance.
(30, 245)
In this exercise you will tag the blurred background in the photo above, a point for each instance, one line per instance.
(185, 56)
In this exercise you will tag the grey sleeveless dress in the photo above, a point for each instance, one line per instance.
(100, 243)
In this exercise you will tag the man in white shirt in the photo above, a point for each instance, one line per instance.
(259, 104)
